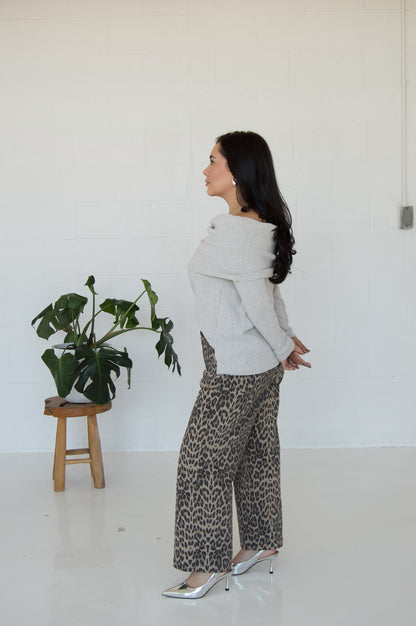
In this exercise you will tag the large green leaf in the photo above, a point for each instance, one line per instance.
(165, 343)
(152, 299)
(68, 307)
(63, 370)
(49, 323)
(123, 311)
(95, 368)
(60, 316)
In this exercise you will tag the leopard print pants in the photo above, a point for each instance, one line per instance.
(231, 439)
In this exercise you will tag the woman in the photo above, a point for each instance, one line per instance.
(231, 438)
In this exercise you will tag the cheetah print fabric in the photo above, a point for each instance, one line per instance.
(231, 440)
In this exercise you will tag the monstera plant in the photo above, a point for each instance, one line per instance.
(87, 363)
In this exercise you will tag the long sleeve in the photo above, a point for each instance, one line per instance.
(256, 298)
(279, 307)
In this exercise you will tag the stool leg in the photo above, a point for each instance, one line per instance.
(54, 463)
(94, 444)
(60, 455)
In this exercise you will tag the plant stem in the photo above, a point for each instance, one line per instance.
(84, 331)
(120, 320)
(78, 325)
(111, 334)
(92, 337)
(74, 327)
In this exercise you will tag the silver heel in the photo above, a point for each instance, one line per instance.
(185, 592)
(243, 566)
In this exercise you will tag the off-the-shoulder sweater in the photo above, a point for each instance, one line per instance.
(238, 309)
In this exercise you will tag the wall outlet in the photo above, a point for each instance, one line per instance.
(406, 217)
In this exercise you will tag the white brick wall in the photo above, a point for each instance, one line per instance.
(108, 112)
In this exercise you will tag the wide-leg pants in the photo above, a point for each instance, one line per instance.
(231, 439)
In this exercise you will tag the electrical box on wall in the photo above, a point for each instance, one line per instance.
(406, 217)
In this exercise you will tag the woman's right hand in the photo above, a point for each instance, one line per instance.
(293, 361)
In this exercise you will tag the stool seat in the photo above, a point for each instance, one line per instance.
(61, 409)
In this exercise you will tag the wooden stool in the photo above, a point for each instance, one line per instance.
(61, 409)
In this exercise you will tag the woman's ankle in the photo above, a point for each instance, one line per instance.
(196, 579)
(246, 554)
(243, 555)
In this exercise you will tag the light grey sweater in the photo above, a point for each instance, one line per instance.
(240, 312)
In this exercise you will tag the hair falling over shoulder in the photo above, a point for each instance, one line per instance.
(251, 163)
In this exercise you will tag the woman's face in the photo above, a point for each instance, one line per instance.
(218, 178)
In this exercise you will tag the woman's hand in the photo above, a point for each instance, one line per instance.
(299, 347)
(294, 360)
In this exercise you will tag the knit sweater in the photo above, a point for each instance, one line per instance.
(239, 311)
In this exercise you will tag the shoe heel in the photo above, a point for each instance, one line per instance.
(273, 556)
(226, 584)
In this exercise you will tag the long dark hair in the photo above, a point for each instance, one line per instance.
(251, 163)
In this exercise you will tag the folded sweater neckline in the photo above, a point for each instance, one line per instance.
(242, 217)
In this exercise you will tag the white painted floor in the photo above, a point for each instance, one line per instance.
(102, 557)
